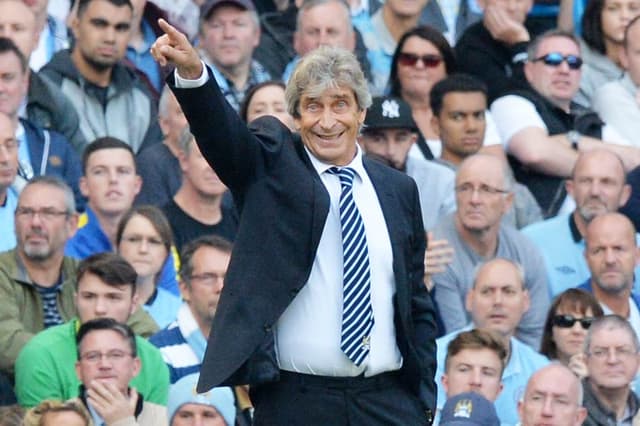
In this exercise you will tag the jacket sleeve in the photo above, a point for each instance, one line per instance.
(13, 332)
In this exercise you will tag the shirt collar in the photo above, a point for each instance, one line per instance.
(573, 227)
(355, 164)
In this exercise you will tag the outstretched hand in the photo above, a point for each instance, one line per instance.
(173, 47)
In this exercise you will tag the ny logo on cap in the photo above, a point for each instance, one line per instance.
(390, 109)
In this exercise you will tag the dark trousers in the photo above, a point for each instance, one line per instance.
(300, 399)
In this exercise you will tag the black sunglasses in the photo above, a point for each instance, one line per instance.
(567, 321)
(411, 59)
(554, 59)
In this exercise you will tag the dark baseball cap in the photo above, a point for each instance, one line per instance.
(208, 6)
(469, 409)
(387, 112)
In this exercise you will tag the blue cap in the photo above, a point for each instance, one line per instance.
(469, 409)
(184, 392)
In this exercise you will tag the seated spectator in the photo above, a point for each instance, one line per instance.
(388, 134)
(266, 98)
(56, 413)
(105, 289)
(9, 146)
(475, 362)
(107, 362)
(476, 233)
(597, 185)
(144, 240)
(553, 396)
(612, 254)
(187, 407)
(569, 318)
(46, 105)
(498, 301)
(469, 409)
(616, 100)
(41, 151)
(603, 29)
(611, 354)
(158, 165)
(110, 184)
(543, 130)
(459, 107)
(110, 99)
(203, 265)
(36, 279)
(51, 34)
(229, 33)
(197, 208)
(495, 49)
(423, 58)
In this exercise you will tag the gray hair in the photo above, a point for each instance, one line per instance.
(56, 182)
(610, 322)
(518, 267)
(324, 68)
(532, 49)
(186, 140)
(163, 103)
(310, 4)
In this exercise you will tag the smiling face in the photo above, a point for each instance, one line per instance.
(329, 125)
(558, 84)
(417, 80)
(498, 299)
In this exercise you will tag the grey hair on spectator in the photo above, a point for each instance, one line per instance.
(610, 322)
(324, 68)
(516, 265)
(185, 140)
(163, 103)
(56, 182)
(310, 4)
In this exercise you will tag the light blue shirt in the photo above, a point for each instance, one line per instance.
(523, 362)
(562, 254)
(7, 229)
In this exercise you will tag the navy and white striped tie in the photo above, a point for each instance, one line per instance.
(357, 314)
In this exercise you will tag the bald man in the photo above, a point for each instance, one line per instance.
(597, 185)
(553, 397)
(612, 254)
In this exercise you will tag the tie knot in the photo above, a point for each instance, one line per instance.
(346, 175)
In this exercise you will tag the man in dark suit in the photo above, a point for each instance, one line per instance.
(314, 355)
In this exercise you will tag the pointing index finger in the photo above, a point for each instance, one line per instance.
(169, 29)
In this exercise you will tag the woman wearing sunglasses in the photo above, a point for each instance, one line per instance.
(568, 320)
(603, 25)
(422, 58)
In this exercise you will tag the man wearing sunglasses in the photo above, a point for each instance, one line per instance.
(612, 254)
(543, 130)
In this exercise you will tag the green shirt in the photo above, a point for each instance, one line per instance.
(45, 368)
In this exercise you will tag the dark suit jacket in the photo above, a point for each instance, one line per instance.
(283, 206)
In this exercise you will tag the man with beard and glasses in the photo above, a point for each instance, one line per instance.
(597, 185)
(612, 254)
(108, 96)
(36, 279)
(389, 133)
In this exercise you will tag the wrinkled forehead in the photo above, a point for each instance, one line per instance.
(560, 44)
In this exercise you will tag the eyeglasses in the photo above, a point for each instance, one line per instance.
(620, 352)
(468, 189)
(554, 59)
(567, 321)
(208, 278)
(48, 214)
(111, 356)
(10, 145)
(411, 59)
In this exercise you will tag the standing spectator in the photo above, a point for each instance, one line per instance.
(603, 28)
(229, 33)
(108, 96)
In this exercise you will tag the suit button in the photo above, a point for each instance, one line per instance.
(267, 328)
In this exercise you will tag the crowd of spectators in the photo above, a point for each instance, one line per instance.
(116, 233)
